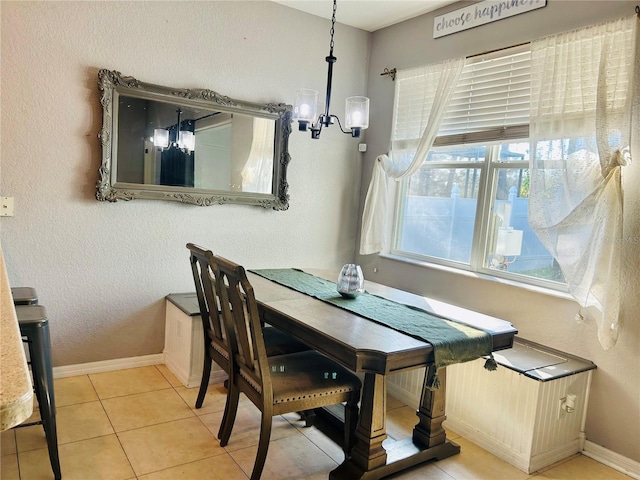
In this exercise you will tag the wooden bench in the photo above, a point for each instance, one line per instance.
(530, 412)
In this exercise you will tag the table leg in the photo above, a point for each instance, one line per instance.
(431, 413)
(368, 452)
(370, 460)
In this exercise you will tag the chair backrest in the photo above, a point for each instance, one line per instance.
(205, 278)
(240, 312)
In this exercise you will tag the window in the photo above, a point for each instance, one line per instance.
(467, 205)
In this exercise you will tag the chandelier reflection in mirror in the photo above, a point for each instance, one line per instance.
(184, 140)
(306, 103)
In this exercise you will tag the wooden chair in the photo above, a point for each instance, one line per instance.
(216, 347)
(278, 384)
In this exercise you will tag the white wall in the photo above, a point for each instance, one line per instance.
(102, 269)
(613, 419)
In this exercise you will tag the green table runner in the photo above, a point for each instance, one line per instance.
(453, 342)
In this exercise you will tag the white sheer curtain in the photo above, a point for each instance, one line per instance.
(582, 83)
(415, 125)
(257, 173)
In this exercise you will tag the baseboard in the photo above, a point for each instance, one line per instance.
(181, 374)
(193, 380)
(600, 454)
(611, 459)
(540, 461)
(107, 365)
(486, 442)
(217, 376)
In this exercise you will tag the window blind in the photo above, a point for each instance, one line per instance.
(491, 100)
(492, 97)
(414, 97)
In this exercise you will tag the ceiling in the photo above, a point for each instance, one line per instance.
(369, 15)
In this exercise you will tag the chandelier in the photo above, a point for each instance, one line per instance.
(182, 139)
(306, 103)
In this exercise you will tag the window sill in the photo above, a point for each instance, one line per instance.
(481, 276)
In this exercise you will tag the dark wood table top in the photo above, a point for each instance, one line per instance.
(357, 342)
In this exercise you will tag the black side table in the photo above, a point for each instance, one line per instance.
(34, 327)
(24, 296)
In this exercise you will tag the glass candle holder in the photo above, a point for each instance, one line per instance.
(350, 281)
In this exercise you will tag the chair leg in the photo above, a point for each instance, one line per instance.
(204, 383)
(350, 424)
(40, 354)
(51, 434)
(263, 445)
(308, 416)
(229, 416)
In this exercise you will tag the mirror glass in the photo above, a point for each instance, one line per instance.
(192, 146)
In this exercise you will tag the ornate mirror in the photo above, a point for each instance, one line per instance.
(190, 145)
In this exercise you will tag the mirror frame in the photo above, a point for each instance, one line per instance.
(112, 84)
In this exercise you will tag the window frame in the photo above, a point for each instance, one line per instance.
(480, 245)
(490, 108)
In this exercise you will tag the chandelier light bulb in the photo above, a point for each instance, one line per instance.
(357, 112)
(304, 109)
(187, 141)
(161, 138)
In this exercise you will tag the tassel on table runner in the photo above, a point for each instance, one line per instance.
(491, 363)
(433, 382)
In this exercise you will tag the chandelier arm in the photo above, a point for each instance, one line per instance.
(340, 124)
(316, 129)
(354, 132)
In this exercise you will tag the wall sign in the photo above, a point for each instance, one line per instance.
(481, 13)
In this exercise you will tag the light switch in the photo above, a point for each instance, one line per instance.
(6, 206)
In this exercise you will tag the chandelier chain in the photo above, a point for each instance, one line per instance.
(333, 22)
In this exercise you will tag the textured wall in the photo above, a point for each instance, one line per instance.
(102, 269)
(613, 419)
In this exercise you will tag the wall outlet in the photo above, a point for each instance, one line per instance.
(561, 411)
(6, 206)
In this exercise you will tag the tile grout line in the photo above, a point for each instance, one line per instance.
(203, 424)
(300, 430)
(114, 429)
(199, 417)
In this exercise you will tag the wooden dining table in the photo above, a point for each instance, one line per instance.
(376, 351)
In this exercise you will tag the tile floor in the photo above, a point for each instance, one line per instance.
(140, 424)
